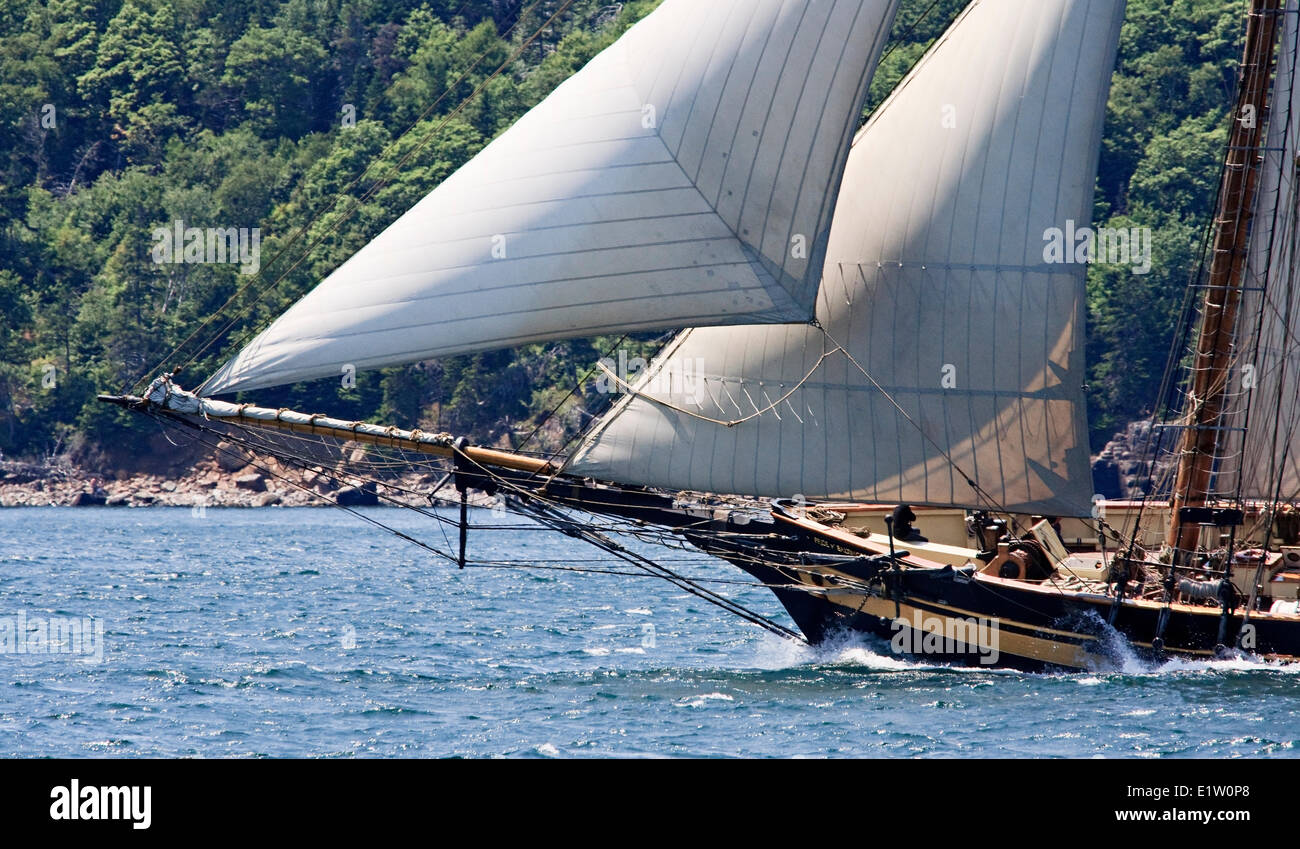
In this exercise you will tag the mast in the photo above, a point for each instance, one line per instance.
(1204, 422)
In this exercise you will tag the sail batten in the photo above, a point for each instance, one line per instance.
(962, 344)
(686, 176)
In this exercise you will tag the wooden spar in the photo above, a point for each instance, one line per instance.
(441, 445)
(1203, 424)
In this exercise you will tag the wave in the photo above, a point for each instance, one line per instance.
(855, 650)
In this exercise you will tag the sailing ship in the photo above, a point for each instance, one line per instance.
(878, 335)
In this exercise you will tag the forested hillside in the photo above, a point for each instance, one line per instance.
(321, 121)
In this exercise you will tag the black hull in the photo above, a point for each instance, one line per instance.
(831, 583)
(1037, 629)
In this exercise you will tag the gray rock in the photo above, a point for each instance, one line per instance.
(229, 458)
(88, 499)
(252, 482)
(357, 496)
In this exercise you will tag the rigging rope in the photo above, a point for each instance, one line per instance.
(1185, 343)
(532, 503)
(576, 387)
(631, 390)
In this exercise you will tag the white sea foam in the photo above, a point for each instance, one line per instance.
(704, 700)
(1179, 665)
(869, 657)
(864, 651)
(1127, 661)
(850, 649)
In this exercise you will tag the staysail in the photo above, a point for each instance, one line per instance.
(686, 176)
(950, 348)
(1267, 375)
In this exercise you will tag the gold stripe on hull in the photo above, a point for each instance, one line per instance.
(1037, 649)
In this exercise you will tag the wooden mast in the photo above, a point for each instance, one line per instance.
(1204, 422)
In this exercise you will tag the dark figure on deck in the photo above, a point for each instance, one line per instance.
(903, 518)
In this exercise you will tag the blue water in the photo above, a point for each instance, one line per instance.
(310, 633)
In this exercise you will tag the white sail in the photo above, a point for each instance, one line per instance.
(936, 285)
(686, 176)
(1267, 375)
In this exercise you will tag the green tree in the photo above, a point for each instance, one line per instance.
(275, 73)
(138, 79)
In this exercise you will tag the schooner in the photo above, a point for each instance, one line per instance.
(875, 324)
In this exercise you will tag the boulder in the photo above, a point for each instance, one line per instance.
(1106, 479)
(357, 496)
(88, 499)
(229, 458)
(252, 482)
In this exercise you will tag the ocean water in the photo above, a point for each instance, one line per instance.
(309, 633)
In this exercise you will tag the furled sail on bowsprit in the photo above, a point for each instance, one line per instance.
(962, 350)
(686, 176)
(1266, 377)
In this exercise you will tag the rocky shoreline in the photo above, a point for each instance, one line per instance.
(1121, 469)
(221, 480)
(218, 481)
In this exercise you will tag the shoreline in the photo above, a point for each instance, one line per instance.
(211, 483)
(221, 480)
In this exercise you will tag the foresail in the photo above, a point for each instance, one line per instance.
(962, 342)
(1268, 373)
(686, 176)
